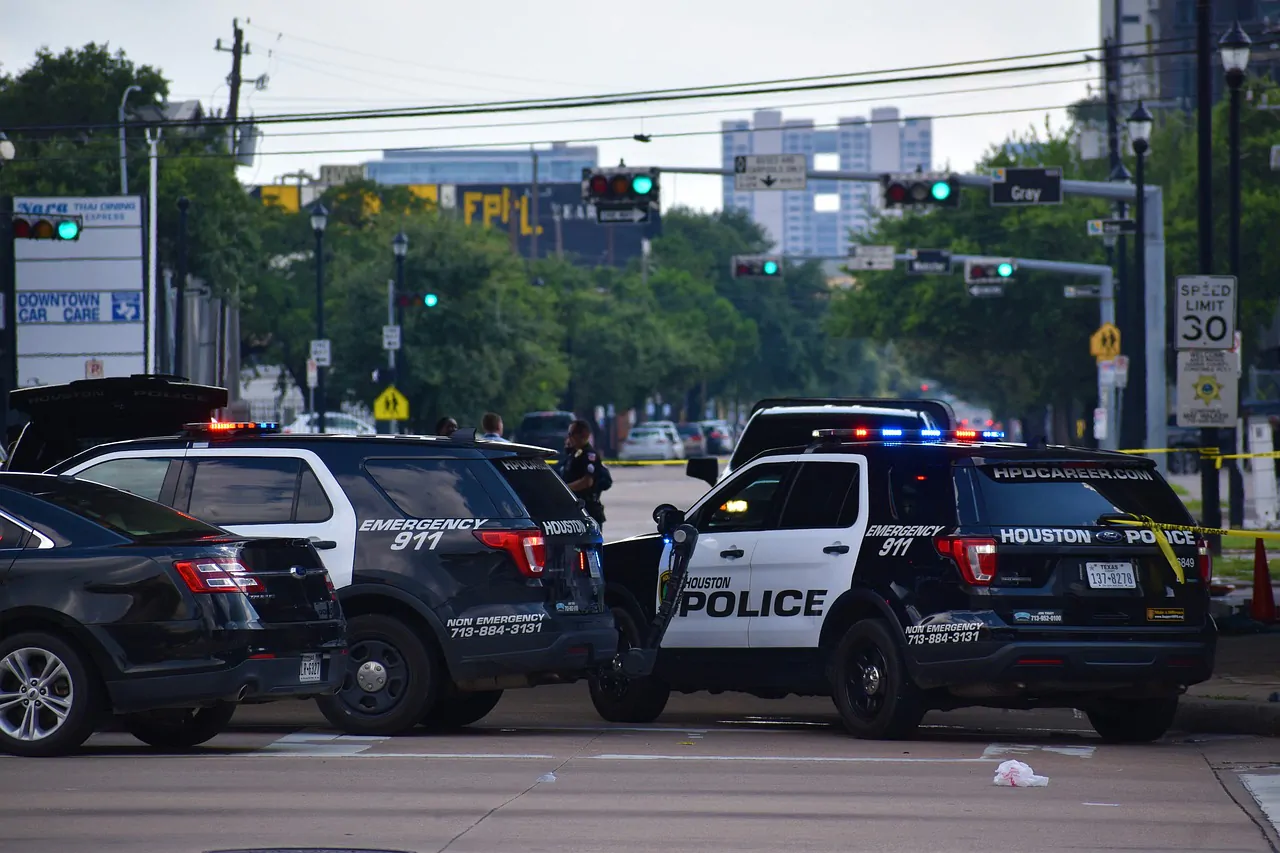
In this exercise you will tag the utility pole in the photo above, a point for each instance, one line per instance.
(533, 242)
(1210, 497)
(391, 321)
(237, 50)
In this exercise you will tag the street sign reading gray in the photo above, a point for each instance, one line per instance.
(1023, 187)
(871, 257)
(928, 262)
(986, 290)
(1205, 307)
(1111, 227)
(624, 215)
(754, 172)
(1082, 291)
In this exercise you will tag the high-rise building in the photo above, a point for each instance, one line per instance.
(818, 220)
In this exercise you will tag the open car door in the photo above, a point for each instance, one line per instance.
(63, 420)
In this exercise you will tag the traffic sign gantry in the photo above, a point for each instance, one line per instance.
(755, 172)
(1022, 187)
(1206, 312)
(871, 257)
(1105, 343)
(391, 405)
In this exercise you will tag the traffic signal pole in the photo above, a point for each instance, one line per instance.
(1154, 295)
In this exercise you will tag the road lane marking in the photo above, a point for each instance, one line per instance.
(1023, 748)
(836, 759)
(1110, 805)
(1265, 789)
(321, 744)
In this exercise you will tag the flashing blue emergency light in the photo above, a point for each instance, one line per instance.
(228, 428)
(867, 434)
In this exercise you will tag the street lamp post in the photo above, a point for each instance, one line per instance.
(1130, 398)
(7, 151)
(1234, 47)
(319, 219)
(400, 247)
(124, 163)
(1140, 138)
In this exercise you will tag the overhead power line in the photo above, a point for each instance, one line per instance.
(620, 99)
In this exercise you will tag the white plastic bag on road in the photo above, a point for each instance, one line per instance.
(1015, 774)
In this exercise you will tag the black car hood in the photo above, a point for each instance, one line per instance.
(63, 420)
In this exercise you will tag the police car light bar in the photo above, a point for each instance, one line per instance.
(907, 434)
(233, 428)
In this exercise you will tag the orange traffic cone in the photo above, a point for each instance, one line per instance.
(1264, 603)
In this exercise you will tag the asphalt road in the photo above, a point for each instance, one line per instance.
(715, 773)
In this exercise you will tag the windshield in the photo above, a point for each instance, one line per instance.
(127, 514)
(1064, 494)
(768, 432)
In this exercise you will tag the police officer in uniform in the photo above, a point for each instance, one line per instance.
(581, 466)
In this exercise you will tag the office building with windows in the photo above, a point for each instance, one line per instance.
(818, 220)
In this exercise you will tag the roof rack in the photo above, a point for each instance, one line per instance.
(940, 411)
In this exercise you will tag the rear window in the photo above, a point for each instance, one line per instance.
(769, 432)
(539, 488)
(546, 423)
(690, 431)
(1071, 494)
(122, 512)
(435, 488)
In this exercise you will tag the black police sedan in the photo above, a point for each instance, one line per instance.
(113, 604)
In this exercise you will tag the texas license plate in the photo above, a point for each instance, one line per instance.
(310, 669)
(1110, 575)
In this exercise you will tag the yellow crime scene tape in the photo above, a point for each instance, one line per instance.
(636, 463)
(1158, 528)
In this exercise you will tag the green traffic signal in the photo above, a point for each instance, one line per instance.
(642, 184)
(1004, 270)
(68, 229)
(941, 190)
(430, 300)
(770, 268)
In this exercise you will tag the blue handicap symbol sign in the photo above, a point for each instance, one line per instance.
(126, 307)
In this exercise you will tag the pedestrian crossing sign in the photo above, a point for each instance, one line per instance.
(391, 405)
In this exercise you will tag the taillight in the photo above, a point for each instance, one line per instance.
(217, 576)
(1205, 559)
(328, 584)
(976, 558)
(527, 548)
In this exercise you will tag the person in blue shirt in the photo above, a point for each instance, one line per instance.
(491, 423)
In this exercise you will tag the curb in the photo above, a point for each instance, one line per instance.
(1227, 716)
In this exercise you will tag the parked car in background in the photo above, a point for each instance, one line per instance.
(115, 605)
(544, 429)
(720, 437)
(650, 442)
(694, 437)
(335, 423)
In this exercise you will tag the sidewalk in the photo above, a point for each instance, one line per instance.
(1237, 700)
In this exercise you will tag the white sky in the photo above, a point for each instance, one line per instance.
(329, 55)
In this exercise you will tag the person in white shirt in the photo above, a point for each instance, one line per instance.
(491, 423)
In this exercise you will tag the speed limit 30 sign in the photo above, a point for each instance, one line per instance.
(1206, 312)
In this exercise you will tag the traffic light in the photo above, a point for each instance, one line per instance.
(750, 266)
(46, 227)
(409, 300)
(988, 270)
(922, 189)
(620, 187)
(430, 300)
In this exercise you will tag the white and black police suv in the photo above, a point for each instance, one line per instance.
(463, 567)
(790, 421)
(899, 573)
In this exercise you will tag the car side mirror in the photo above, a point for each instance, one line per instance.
(706, 468)
(668, 518)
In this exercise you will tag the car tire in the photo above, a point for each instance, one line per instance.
(870, 684)
(392, 680)
(455, 710)
(61, 673)
(180, 728)
(619, 699)
(1134, 721)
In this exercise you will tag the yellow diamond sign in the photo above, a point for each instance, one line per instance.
(1105, 343)
(391, 405)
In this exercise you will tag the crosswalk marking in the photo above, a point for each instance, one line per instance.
(997, 749)
(1265, 789)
